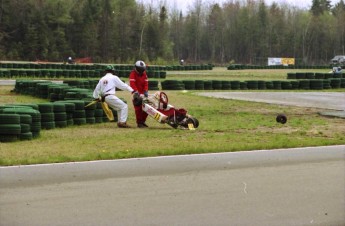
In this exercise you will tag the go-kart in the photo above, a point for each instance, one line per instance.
(156, 106)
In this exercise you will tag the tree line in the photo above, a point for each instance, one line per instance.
(121, 31)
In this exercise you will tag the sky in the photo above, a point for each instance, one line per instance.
(185, 5)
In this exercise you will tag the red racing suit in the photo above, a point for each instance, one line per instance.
(139, 83)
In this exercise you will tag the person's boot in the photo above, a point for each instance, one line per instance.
(142, 125)
(123, 125)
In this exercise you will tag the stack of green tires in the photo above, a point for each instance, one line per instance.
(35, 115)
(243, 85)
(252, 84)
(79, 115)
(295, 84)
(47, 115)
(286, 85)
(42, 89)
(269, 85)
(208, 85)
(60, 115)
(10, 128)
(200, 84)
(335, 83)
(235, 85)
(25, 125)
(309, 75)
(262, 85)
(328, 75)
(277, 85)
(226, 85)
(319, 75)
(163, 74)
(98, 113)
(172, 85)
(342, 83)
(189, 84)
(153, 85)
(216, 84)
(70, 108)
(300, 75)
(326, 84)
(337, 75)
(304, 84)
(316, 84)
(291, 75)
(90, 112)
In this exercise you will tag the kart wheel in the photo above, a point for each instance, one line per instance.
(194, 121)
(281, 119)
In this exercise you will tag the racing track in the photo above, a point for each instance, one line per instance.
(303, 186)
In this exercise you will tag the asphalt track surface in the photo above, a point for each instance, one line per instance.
(322, 100)
(302, 186)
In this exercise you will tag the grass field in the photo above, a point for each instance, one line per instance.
(225, 126)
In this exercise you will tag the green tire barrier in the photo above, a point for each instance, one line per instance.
(243, 85)
(335, 83)
(47, 115)
(316, 84)
(226, 85)
(189, 84)
(245, 66)
(277, 85)
(300, 75)
(342, 83)
(319, 75)
(286, 85)
(172, 85)
(291, 75)
(311, 75)
(216, 84)
(153, 85)
(328, 75)
(235, 85)
(200, 85)
(26, 136)
(208, 85)
(269, 84)
(24, 112)
(10, 129)
(326, 84)
(262, 85)
(252, 84)
(9, 119)
(294, 84)
(304, 84)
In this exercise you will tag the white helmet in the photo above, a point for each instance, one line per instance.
(140, 66)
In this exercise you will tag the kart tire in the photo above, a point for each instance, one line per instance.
(194, 121)
(281, 118)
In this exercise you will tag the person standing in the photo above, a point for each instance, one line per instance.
(106, 89)
(138, 80)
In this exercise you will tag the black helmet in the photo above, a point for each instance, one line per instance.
(140, 66)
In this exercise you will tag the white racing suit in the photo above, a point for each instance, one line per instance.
(106, 89)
